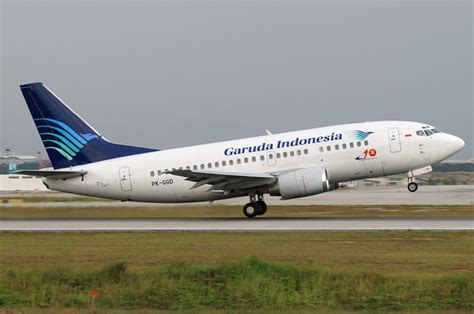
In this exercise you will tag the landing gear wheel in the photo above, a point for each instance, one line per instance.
(412, 187)
(262, 207)
(251, 210)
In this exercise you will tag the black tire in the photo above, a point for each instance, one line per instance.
(262, 207)
(251, 210)
(412, 187)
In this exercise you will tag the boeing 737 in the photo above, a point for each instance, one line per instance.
(291, 165)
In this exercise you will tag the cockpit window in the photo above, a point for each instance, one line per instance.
(420, 133)
(435, 131)
(428, 132)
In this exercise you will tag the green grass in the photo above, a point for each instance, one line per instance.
(391, 253)
(248, 284)
(223, 211)
(301, 271)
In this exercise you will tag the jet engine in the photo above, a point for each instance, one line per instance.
(301, 183)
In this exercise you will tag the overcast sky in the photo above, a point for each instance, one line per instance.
(166, 74)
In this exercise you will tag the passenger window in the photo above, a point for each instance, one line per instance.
(305, 152)
(328, 148)
(321, 149)
(366, 143)
(202, 166)
(278, 155)
(159, 172)
(336, 147)
(270, 156)
(254, 159)
(166, 170)
(231, 162)
(152, 173)
(216, 164)
(351, 145)
(344, 146)
(246, 160)
(292, 153)
(188, 168)
(285, 154)
(180, 168)
(238, 161)
(209, 165)
(173, 169)
(224, 163)
(359, 144)
(195, 167)
(262, 158)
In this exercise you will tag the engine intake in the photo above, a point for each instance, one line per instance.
(301, 183)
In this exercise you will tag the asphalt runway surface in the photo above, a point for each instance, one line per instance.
(234, 224)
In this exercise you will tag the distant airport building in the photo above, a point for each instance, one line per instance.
(11, 163)
(20, 183)
(11, 182)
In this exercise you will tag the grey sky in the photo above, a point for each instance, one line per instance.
(171, 74)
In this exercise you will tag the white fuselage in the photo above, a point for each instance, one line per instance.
(393, 147)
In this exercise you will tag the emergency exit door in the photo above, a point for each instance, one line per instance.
(125, 181)
(271, 158)
(394, 140)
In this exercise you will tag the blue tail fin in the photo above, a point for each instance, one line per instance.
(69, 140)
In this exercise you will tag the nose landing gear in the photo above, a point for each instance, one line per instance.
(255, 207)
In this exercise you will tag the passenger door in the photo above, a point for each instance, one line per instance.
(394, 140)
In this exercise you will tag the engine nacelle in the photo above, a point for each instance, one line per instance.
(301, 183)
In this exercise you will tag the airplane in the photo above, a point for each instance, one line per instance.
(290, 165)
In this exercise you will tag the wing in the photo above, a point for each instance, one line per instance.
(225, 181)
(52, 174)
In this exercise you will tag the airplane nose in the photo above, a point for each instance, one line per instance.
(454, 144)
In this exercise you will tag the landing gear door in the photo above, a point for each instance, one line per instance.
(125, 181)
(394, 140)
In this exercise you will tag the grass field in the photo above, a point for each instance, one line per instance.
(222, 211)
(428, 253)
(273, 271)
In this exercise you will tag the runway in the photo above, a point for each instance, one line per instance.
(233, 224)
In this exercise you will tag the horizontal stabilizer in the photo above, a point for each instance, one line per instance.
(52, 174)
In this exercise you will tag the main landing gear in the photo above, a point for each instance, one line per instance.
(255, 207)
(412, 185)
